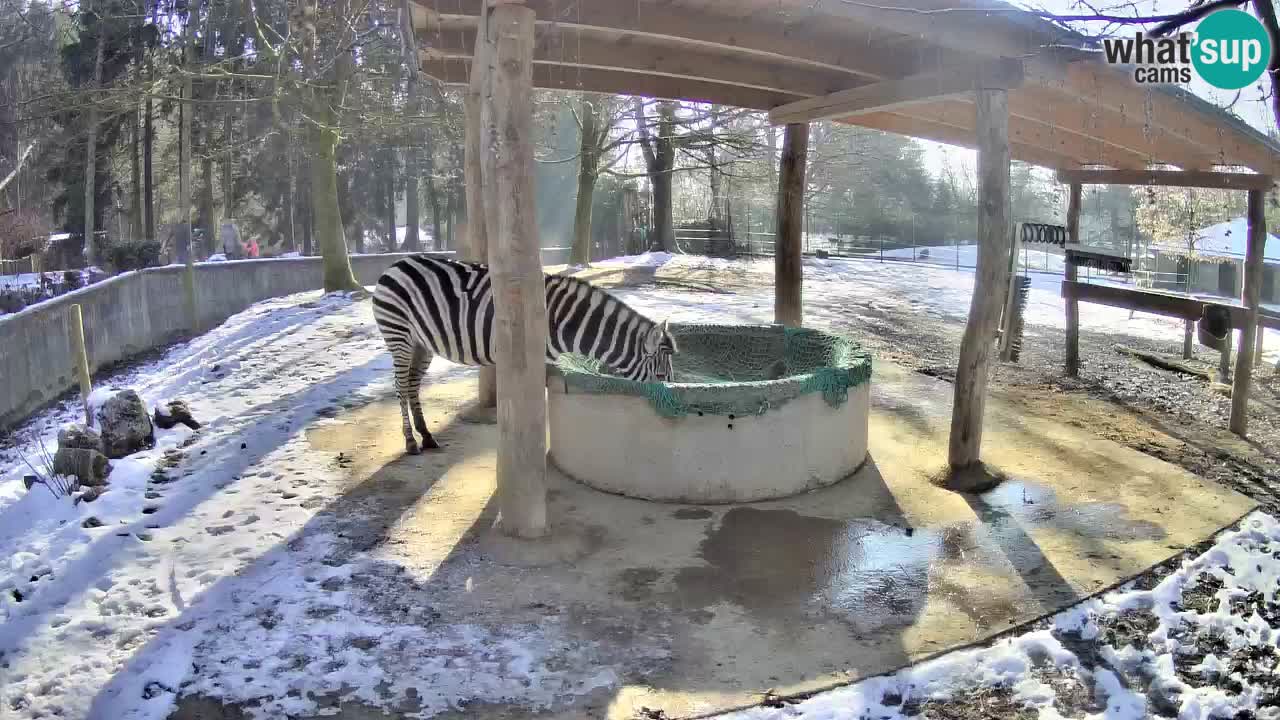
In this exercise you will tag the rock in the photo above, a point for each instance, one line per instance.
(90, 467)
(126, 425)
(173, 413)
(79, 436)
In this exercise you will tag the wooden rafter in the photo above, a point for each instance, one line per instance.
(1108, 89)
(890, 95)
(1169, 178)
(454, 71)
(1106, 126)
(961, 136)
(1029, 133)
(557, 45)
(867, 58)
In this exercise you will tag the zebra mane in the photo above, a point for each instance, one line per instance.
(646, 322)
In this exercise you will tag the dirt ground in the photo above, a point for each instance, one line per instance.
(1178, 418)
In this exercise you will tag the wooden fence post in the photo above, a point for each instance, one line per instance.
(988, 283)
(477, 237)
(788, 263)
(1073, 305)
(75, 321)
(1250, 295)
(519, 294)
(1188, 328)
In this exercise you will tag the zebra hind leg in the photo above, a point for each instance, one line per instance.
(417, 366)
(403, 359)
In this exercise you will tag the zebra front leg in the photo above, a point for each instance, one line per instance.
(417, 366)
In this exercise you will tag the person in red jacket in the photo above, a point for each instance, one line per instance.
(252, 248)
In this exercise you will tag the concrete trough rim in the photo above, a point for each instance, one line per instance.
(624, 444)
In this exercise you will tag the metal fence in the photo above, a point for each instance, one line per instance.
(21, 266)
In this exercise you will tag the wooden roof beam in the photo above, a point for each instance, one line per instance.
(1168, 178)
(868, 58)
(1108, 127)
(557, 45)
(962, 137)
(1034, 134)
(1093, 83)
(890, 95)
(455, 71)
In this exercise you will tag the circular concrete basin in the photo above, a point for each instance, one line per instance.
(758, 412)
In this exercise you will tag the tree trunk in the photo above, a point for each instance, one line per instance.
(390, 184)
(322, 144)
(433, 200)
(148, 182)
(289, 243)
(588, 169)
(184, 170)
(788, 265)
(234, 39)
(519, 299)
(207, 207)
(135, 168)
(411, 207)
(1073, 306)
(989, 278)
(412, 164)
(1250, 297)
(91, 150)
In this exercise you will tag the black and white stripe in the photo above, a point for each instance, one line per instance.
(427, 306)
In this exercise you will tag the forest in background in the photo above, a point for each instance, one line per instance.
(304, 124)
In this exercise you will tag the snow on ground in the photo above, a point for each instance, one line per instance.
(835, 288)
(214, 547)
(1229, 594)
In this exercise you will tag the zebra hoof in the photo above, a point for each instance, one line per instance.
(412, 448)
(430, 444)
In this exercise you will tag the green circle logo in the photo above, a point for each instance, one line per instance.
(1232, 49)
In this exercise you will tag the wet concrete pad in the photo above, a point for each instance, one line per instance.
(694, 609)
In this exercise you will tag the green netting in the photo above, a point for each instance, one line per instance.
(736, 370)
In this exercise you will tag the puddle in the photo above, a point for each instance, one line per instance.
(875, 574)
(773, 562)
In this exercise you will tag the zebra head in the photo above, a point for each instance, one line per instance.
(657, 353)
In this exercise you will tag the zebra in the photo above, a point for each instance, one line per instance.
(426, 306)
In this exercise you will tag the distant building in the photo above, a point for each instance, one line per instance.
(1215, 266)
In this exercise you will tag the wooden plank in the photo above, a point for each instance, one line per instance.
(1084, 151)
(901, 92)
(1175, 306)
(994, 235)
(788, 267)
(519, 296)
(1102, 127)
(455, 71)
(569, 50)
(777, 38)
(1250, 296)
(477, 237)
(1110, 89)
(1073, 306)
(945, 132)
(1168, 178)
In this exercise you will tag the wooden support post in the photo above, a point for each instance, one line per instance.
(477, 237)
(1224, 359)
(1188, 329)
(75, 323)
(989, 277)
(1257, 350)
(1250, 296)
(519, 294)
(788, 265)
(1073, 305)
